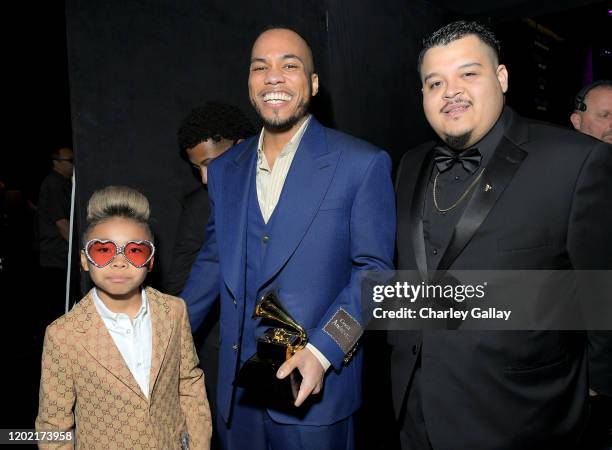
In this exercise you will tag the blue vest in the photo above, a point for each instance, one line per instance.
(256, 246)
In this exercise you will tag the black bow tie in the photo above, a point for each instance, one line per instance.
(445, 158)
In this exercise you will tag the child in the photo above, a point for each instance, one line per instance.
(121, 365)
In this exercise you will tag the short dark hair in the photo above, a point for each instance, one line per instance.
(457, 30)
(57, 152)
(216, 121)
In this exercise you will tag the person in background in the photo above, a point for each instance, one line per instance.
(54, 229)
(593, 116)
(204, 134)
(593, 110)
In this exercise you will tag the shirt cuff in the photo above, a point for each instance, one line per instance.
(322, 359)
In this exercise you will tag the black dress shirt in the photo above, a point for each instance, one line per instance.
(438, 226)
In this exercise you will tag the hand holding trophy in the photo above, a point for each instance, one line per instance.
(311, 370)
(277, 348)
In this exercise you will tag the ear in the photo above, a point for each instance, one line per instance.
(502, 77)
(314, 82)
(150, 268)
(576, 120)
(84, 262)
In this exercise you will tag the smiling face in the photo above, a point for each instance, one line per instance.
(281, 79)
(463, 90)
(119, 280)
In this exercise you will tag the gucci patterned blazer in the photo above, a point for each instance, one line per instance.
(86, 382)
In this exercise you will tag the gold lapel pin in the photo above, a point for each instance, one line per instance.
(488, 187)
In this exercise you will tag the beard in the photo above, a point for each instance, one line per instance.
(458, 141)
(276, 123)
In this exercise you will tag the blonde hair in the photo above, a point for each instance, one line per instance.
(117, 201)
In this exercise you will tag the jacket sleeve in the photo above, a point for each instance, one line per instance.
(372, 231)
(202, 287)
(192, 392)
(57, 394)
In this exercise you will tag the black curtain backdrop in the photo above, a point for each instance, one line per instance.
(137, 67)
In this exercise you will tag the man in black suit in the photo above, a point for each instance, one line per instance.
(501, 193)
(592, 113)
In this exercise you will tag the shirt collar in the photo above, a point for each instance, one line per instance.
(106, 313)
(290, 147)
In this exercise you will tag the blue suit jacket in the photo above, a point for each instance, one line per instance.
(334, 219)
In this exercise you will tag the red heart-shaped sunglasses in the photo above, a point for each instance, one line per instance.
(101, 252)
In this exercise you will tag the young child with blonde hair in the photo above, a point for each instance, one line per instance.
(120, 369)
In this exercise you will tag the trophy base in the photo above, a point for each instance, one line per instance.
(259, 375)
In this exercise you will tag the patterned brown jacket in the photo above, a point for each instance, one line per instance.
(86, 382)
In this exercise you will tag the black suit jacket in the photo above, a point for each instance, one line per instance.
(189, 238)
(550, 208)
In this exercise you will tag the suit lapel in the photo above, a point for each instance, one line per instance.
(308, 180)
(416, 214)
(499, 172)
(235, 188)
(100, 345)
(162, 326)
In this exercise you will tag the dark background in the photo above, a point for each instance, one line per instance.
(137, 67)
(113, 79)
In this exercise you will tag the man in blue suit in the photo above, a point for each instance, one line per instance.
(303, 210)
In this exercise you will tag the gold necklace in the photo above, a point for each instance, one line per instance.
(467, 191)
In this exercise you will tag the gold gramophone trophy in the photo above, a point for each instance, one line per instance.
(277, 345)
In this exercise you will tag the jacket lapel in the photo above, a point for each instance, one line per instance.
(100, 345)
(416, 214)
(307, 182)
(235, 188)
(162, 326)
(504, 163)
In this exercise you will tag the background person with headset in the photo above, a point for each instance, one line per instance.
(593, 116)
(593, 110)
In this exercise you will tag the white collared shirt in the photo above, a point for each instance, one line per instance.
(270, 184)
(132, 338)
